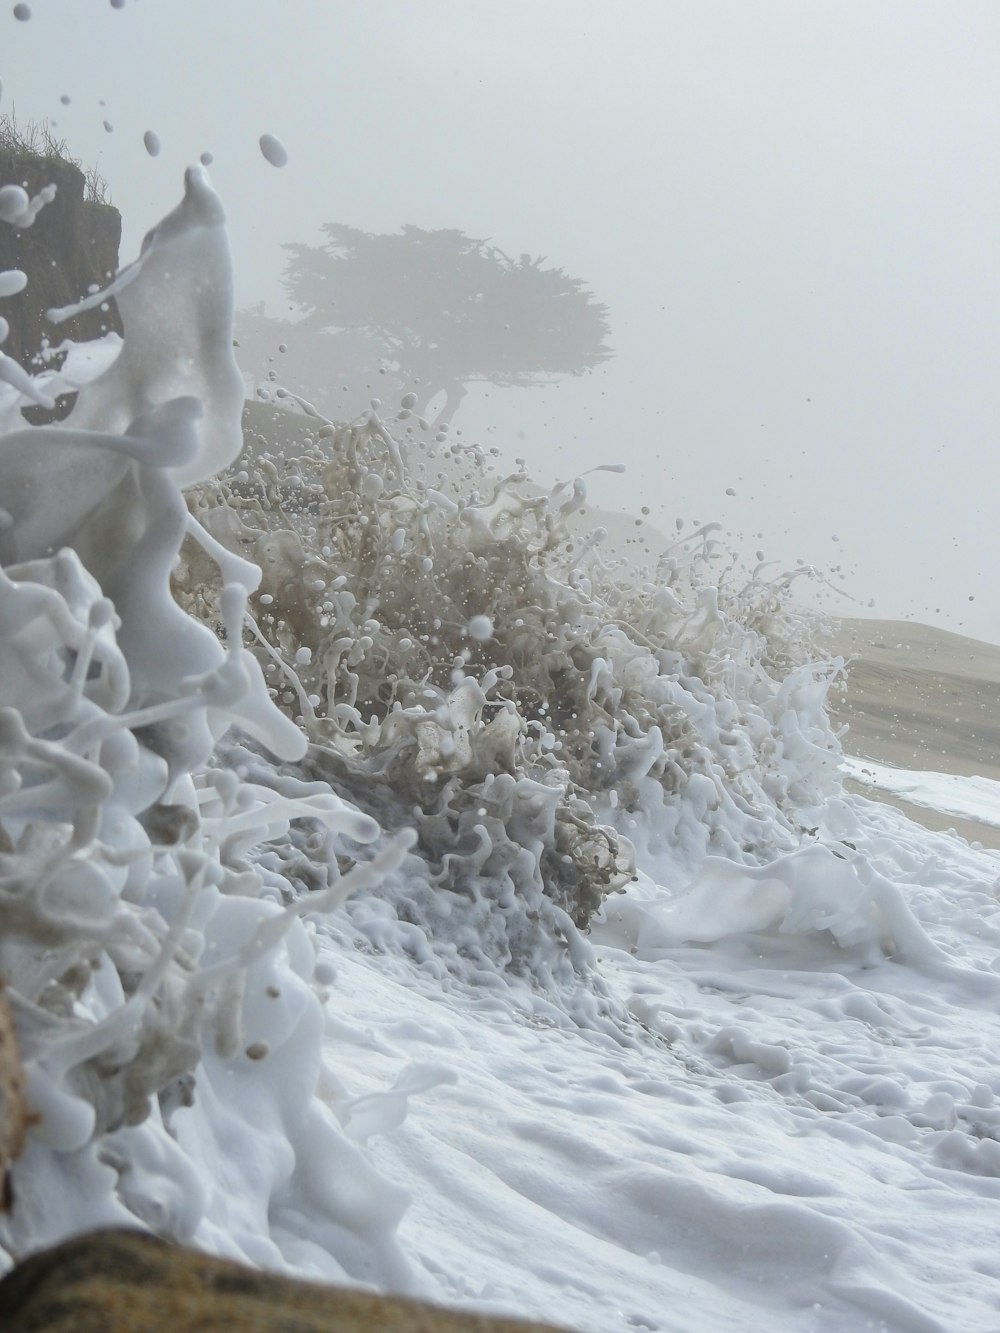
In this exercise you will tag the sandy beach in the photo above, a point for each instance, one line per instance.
(924, 699)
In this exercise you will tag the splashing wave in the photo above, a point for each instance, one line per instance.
(439, 657)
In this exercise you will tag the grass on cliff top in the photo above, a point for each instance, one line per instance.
(35, 141)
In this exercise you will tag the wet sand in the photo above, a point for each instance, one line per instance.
(921, 698)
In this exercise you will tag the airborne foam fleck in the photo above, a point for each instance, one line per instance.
(12, 281)
(480, 628)
(273, 150)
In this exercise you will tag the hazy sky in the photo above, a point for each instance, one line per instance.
(791, 208)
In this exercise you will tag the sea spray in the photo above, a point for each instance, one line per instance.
(459, 658)
(425, 651)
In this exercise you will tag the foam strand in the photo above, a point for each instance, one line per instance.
(131, 913)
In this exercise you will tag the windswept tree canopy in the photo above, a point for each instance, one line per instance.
(437, 310)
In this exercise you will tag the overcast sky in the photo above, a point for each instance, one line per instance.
(790, 207)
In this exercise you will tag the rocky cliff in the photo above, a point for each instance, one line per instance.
(14, 1118)
(72, 244)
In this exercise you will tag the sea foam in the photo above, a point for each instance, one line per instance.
(362, 677)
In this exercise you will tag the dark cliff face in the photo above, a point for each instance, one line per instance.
(72, 245)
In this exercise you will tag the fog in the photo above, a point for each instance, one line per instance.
(789, 209)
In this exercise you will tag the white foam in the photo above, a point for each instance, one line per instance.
(145, 940)
(20, 211)
(12, 281)
(481, 628)
(273, 150)
(965, 797)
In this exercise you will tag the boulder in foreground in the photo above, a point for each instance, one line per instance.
(121, 1281)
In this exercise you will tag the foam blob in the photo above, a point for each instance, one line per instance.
(273, 150)
(13, 203)
(151, 143)
(12, 281)
(480, 628)
(20, 210)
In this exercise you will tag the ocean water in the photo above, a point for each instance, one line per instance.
(397, 888)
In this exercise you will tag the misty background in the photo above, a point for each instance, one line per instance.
(788, 208)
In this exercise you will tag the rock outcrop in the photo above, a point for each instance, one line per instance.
(121, 1281)
(13, 1111)
(71, 246)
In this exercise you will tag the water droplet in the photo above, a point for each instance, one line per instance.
(481, 628)
(273, 150)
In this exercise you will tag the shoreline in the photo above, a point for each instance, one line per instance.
(922, 699)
